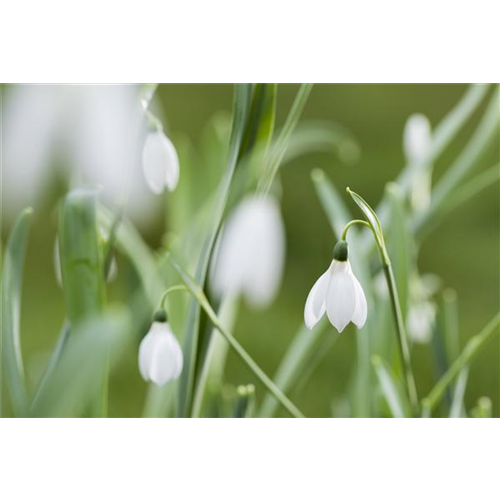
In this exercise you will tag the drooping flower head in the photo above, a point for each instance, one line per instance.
(251, 252)
(160, 355)
(337, 292)
(160, 162)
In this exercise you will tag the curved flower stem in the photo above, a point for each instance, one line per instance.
(197, 293)
(373, 222)
(175, 288)
(352, 223)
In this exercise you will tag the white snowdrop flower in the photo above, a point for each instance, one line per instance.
(160, 355)
(417, 137)
(92, 133)
(160, 162)
(337, 292)
(251, 253)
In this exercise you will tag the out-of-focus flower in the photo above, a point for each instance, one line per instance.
(251, 253)
(93, 133)
(339, 293)
(417, 140)
(160, 162)
(422, 310)
(160, 355)
(417, 137)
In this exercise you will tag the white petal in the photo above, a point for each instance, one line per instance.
(340, 296)
(315, 304)
(165, 361)
(361, 310)
(146, 350)
(251, 252)
(417, 136)
(160, 162)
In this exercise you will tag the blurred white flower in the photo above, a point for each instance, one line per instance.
(160, 355)
(417, 140)
(339, 293)
(251, 253)
(93, 133)
(160, 162)
(422, 310)
(417, 137)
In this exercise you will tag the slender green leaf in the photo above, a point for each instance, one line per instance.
(393, 394)
(482, 138)
(262, 116)
(187, 380)
(281, 145)
(457, 404)
(460, 196)
(295, 362)
(470, 351)
(332, 203)
(81, 256)
(443, 135)
(317, 136)
(198, 295)
(400, 245)
(10, 341)
(76, 381)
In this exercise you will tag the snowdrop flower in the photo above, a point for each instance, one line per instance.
(160, 355)
(251, 252)
(92, 133)
(337, 292)
(160, 162)
(417, 137)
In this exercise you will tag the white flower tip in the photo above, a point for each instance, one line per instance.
(417, 136)
(160, 162)
(160, 355)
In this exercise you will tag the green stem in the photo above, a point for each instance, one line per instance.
(194, 289)
(374, 224)
(404, 349)
(352, 223)
(175, 288)
(473, 346)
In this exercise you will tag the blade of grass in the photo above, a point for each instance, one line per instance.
(470, 351)
(200, 297)
(482, 138)
(76, 380)
(295, 361)
(279, 149)
(10, 341)
(396, 400)
(191, 331)
(457, 403)
(443, 135)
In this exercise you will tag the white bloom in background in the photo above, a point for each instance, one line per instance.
(251, 253)
(422, 310)
(91, 133)
(160, 162)
(417, 139)
(337, 292)
(160, 355)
